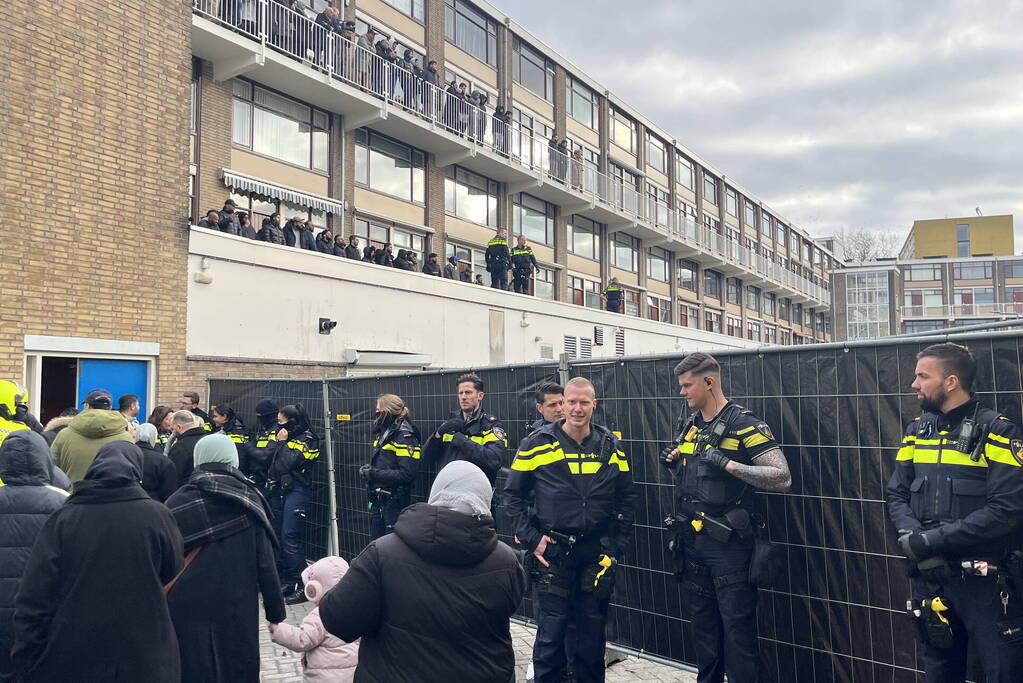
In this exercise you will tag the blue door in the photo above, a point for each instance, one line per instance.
(119, 377)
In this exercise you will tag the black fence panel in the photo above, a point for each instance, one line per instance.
(839, 413)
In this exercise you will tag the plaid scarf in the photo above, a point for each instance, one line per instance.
(216, 503)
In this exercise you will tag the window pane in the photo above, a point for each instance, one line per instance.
(389, 175)
(321, 148)
(242, 123)
(280, 137)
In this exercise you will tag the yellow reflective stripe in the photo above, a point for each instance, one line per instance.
(402, 451)
(487, 437)
(618, 459)
(687, 447)
(747, 429)
(310, 454)
(929, 442)
(538, 460)
(239, 438)
(998, 437)
(906, 453)
(754, 440)
(950, 457)
(924, 456)
(1000, 455)
(729, 444)
(537, 449)
(447, 437)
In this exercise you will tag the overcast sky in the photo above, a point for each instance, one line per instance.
(838, 114)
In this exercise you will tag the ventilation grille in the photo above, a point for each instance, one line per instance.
(585, 348)
(598, 336)
(570, 347)
(620, 342)
(546, 351)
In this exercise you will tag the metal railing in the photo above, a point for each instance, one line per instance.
(277, 27)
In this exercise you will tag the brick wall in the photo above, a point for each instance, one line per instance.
(95, 176)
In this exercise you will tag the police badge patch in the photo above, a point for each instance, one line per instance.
(500, 434)
(765, 430)
(1016, 448)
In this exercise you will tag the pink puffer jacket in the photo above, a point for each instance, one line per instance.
(327, 658)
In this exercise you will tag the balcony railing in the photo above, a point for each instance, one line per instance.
(984, 310)
(293, 34)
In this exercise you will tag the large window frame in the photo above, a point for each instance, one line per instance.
(657, 261)
(581, 102)
(373, 153)
(584, 237)
(972, 270)
(733, 291)
(410, 8)
(710, 189)
(687, 273)
(712, 284)
(656, 153)
(685, 172)
(461, 184)
(625, 252)
(253, 104)
(658, 308)
(459, 18)
(529, 67)
(623, 131)
(527, 212)
(379, 233)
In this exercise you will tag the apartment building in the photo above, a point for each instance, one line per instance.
(959, 237)
(134, 140)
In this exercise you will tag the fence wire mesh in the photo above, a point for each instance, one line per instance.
(838, 611)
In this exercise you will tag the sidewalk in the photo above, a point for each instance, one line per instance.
(283, 666)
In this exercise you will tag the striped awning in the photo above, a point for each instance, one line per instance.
(239, 182)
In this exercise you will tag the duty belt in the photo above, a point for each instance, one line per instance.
(737, 521)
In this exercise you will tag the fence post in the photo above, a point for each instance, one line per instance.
(563, 369)
(332, 532)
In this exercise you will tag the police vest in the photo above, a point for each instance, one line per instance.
(705, 488)
(522, 258)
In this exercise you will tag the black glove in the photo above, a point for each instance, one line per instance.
(365, 471)
(716, 458)
(455, 424)
(935, 570)
(670, 464)
(916, 546)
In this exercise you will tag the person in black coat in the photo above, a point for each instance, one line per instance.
(431, 267)
(188, 432)
(339, 246)
(215, 603)
(384, 256)
(402, 262)
(431, 601)
(352, 250)
(293, 231)
(27, 498)
(159, 476)
(245, 228)
(325, 242)
(369, 254)
(91, 605)
(271, 231)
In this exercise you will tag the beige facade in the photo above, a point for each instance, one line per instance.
(960, 238)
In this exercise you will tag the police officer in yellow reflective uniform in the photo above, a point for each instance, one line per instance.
(392, 468)
(470, 433)
(523, 264)
(578, 529)
(614, 296)
(226, 421)
(956, 497)
(262, 442)
(498, 259)
(289, 471)
(724, 453)
(12, 396)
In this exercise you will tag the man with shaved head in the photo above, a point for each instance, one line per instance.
(578, 530)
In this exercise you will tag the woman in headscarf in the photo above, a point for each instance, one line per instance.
(91, 605)
(230, 549)
(392, 467)
(439, 591)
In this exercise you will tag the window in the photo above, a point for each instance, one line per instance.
(806, 250)
(387, 166)
(624, 186)
(923, 301)
(259, 208)
(689, 316)
(765, 224)
(781, 238)
(753, 298)
(581, 103)
(583, 292)
(784, 307)
(658, 309)
(752, 330)
(685, 174)
(712, 283)
(193, 96)
(280, 127)
(962, 240)
(710, 189)
(1013, 268)
(925, 272)
(794, 242)
(532, 70)
(543, 284)
(924, 325)
(797, 314)
(533, 218)
(734, 326)
(734, 289)
(687, 275)
(631, 302)
(712, 321)
(379, 234)
(475, 257)
(625, 252)
(658, 204)
(585, 236)
(413, 8)
(657, 264)
(656, 155)
(471, 31)
(533, 154)
(866, 305)
(973, 270)
(623, 131)
(770, 299)
(973, 300)
(470, 196)
(731, 202)
(785, 337)
(750, 216)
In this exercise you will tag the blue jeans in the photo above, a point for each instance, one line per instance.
(288, 524)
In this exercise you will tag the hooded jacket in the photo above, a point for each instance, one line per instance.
(75, 447)
(271, 232)
(326, 658)
(402, 261)
(26, 500)
(431, 601)
(91, 605)
(55, 427)
(431, 268)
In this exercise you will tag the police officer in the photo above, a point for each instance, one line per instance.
(470, 433)
(581, 523)
(498, 259)
(262, 442)
(392, 468)
(550, 400)
(722, 455)
(614, 296)
(289, 472)
(523, 264)
(13, 401)
(225, 421)
(956, 497)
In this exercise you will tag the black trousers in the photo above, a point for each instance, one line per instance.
(561, 606)
(722, 604)
(976, 609)
(520, 281)
(382, 516)
(499, 278)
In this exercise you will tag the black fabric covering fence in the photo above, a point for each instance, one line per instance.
(838, 613)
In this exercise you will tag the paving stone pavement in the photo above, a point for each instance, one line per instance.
(280, 665)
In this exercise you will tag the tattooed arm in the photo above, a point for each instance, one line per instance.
(770, 473)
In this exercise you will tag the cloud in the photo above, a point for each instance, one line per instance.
(841, 115)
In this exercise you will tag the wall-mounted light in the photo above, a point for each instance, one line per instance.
(327, 325)
(205, 275)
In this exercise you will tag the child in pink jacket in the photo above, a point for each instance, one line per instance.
(327, 658)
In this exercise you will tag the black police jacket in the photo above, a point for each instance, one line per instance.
(522, 259)
(395, 458)
(294, 456)
(701, 487)
(976, 506)
(497, 255)
(259, 451)
(483, 442)
(573, 491)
